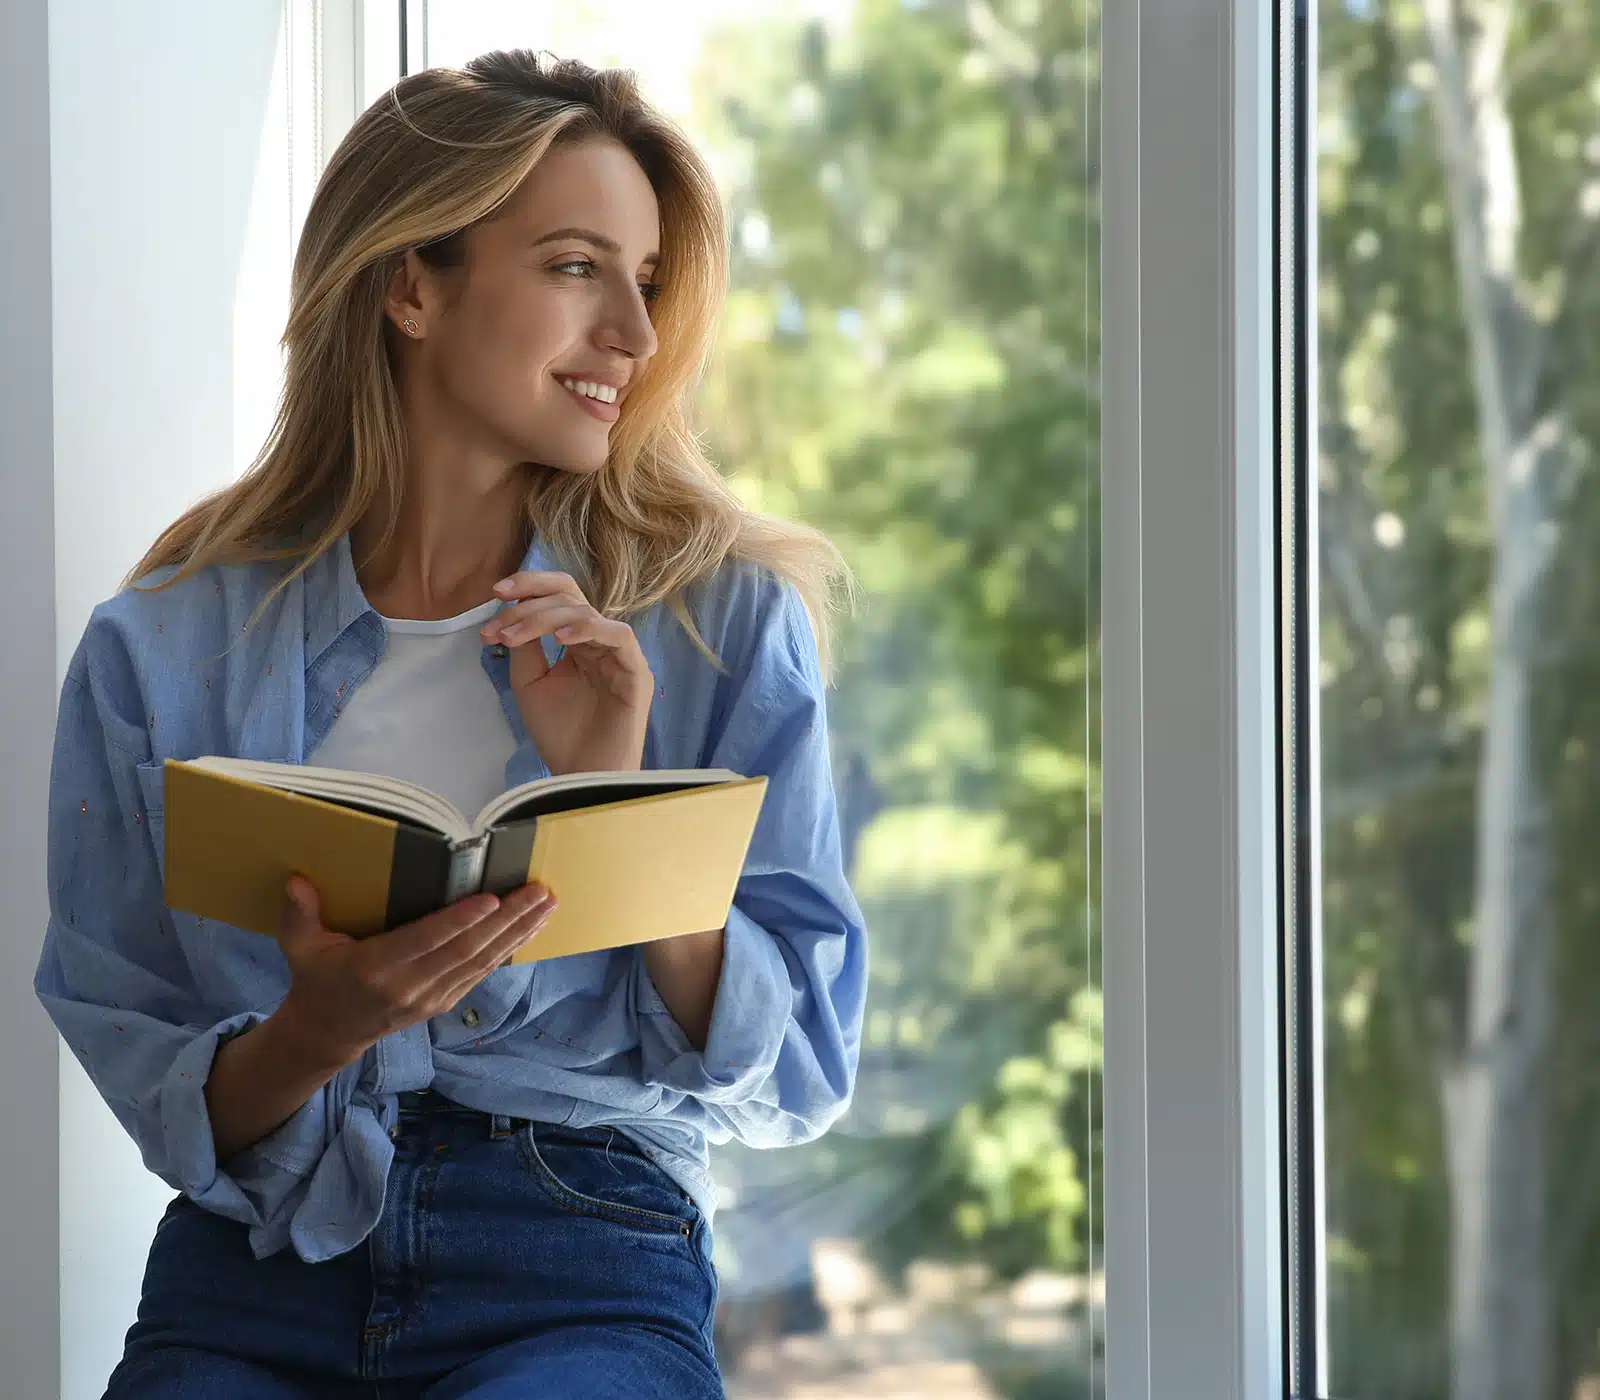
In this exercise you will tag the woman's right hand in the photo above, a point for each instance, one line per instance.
(346, 993)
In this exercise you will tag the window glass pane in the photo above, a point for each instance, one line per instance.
(910, 361)
(289, 157)
(266, 251)
(1457, 158)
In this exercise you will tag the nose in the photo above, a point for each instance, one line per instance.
(627, 328)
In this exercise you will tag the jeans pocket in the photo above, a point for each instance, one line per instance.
(599, 1173)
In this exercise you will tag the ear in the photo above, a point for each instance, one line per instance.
(407, 293)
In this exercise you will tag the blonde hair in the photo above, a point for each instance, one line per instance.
(440, 152)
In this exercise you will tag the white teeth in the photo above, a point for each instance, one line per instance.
(604, 392)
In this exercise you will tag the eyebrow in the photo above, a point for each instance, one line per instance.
(599, 240)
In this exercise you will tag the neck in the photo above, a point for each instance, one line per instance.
(451, 543)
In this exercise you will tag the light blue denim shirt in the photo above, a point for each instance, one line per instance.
(145, 995)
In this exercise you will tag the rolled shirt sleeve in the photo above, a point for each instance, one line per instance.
(116, 982)
(780, 1057)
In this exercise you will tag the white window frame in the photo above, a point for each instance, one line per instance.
(359, 60)
(1194, 1272)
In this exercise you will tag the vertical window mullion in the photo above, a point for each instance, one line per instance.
(1192, 654)
(1300, 751)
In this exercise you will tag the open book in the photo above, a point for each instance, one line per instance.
(630, 856)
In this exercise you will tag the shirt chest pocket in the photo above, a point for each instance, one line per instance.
(152, 800)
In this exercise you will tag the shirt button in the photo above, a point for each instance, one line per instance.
(498, 652)
(470, 1016)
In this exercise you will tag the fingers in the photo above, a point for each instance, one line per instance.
(570, 624)
(301, 901)
(452, 959)
(498, 952)
(414, 941)
(411, 973)
(603, 631)
(539, 617)
(552, 604)
(534, 583)
(302, 911)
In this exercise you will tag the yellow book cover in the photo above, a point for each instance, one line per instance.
(631, 857)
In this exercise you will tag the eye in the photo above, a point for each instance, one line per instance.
(587, 268)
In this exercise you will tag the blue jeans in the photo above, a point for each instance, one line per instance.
(511, 1259)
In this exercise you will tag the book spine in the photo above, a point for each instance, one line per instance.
(466, 869)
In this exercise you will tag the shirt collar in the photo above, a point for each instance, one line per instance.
(334, 600)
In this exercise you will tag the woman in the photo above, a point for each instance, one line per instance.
(481, 545)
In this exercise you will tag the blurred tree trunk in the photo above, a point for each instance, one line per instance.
(1493, 1086)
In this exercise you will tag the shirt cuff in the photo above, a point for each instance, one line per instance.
(288, 1152)
(749, 1020)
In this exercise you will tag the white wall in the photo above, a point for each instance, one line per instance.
(146, 232)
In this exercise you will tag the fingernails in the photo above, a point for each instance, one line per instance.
(541, 912)
(531, 896)
(505, 585)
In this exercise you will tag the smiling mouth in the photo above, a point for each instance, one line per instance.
(601, 393)
(605, 409)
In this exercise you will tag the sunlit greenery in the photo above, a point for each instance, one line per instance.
(1409, 554)
(911, 362)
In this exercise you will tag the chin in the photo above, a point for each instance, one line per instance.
(580, 462)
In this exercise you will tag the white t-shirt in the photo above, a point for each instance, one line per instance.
(428, 713)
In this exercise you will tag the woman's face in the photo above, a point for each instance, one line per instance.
(552, 325)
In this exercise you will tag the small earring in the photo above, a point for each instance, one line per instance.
(409, 326)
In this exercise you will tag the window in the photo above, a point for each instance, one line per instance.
(910, 361)
(1451, 943)
(332, 58)
(285, 172)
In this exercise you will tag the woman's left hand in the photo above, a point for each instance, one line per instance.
(588, 711)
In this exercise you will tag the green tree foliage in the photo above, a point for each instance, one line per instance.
(1409, 556)
(911, 362)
